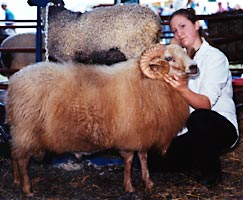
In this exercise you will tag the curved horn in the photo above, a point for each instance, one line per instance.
(150, 57)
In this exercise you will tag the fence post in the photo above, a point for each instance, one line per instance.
(38, 36)
(39, 4)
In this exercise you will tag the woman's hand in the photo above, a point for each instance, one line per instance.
(176, 82)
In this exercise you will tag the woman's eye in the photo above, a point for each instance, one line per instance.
(169, 58)
(174, 31)
(182, 26)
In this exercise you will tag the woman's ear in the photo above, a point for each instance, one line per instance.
(197, 25)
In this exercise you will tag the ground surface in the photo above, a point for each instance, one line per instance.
(51, 182)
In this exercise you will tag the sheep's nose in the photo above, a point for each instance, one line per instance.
(193, 69)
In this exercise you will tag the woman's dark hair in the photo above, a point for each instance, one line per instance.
(189, 13)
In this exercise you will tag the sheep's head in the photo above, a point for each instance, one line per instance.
(170, 59)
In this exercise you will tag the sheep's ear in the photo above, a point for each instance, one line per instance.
(190, 52)
(159, 66)
(175, 41)
(151, 62)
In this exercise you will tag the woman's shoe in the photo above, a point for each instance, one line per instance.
(210, 178)
(211, 174)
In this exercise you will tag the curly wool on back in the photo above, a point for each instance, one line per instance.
(105, 35)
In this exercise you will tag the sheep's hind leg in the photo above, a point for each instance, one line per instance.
(15, 169)
(128, 158)
(144, 167)
(20, 174)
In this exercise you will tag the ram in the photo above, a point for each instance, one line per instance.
(86, 108)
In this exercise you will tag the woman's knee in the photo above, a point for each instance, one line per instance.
(198, 119)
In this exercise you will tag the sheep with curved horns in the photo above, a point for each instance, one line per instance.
(86, 108)
(104, 35)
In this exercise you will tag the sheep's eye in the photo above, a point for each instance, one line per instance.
(169, 58)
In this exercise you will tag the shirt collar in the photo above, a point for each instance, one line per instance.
(203, 48)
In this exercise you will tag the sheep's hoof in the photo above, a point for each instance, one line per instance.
(27, 191)
(149, 185)
(129, 188)
(29, 194)
(16, 181)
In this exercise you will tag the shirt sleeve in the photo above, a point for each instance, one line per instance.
(215, 76)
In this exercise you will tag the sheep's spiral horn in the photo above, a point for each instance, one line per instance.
(151, 57)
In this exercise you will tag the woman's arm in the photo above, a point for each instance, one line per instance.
(193, 99)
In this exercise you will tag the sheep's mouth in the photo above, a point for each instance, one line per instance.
(194, 71)
(193, 74)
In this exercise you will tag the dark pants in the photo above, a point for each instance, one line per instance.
(209, 135)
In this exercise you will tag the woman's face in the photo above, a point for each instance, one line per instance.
(185, 31)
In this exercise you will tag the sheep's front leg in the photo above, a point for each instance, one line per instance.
(128, 158)
(144, 167)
